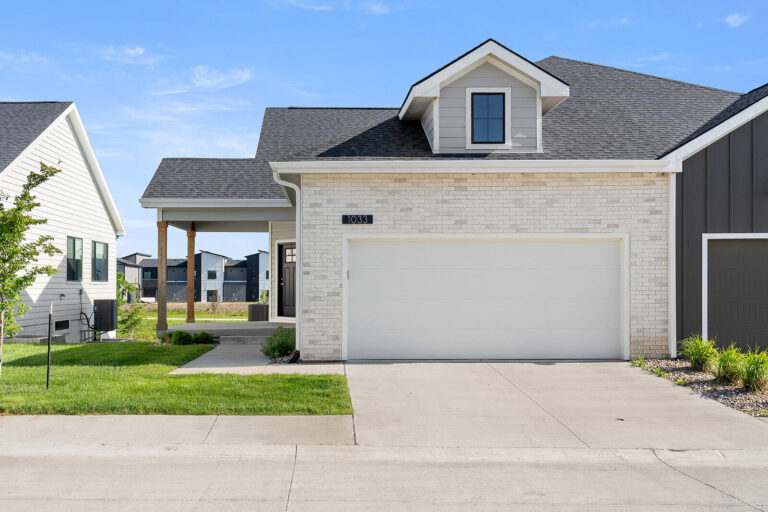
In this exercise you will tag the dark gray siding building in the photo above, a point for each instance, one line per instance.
(722, 246)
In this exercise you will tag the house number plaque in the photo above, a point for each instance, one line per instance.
(357, 219)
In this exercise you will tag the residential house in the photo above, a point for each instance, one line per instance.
(216, 277)
(82, 217)
(507, 209)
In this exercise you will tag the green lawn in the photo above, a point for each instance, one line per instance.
(132, 378)
(146, 331)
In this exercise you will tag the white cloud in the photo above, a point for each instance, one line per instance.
(130, 55)
(146, 115)
(376, 8)
(21, 60)
(309, 5)
(735, 20)
(205, 78)
(618, 22)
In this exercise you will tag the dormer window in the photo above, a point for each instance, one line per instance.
(487, 118)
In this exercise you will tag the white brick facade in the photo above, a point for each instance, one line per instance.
(634, 203)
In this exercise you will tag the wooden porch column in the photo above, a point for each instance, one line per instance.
(162, 276)
(191, 275)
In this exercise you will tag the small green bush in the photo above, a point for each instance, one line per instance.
(180, 338)
(754, 375)
(639, 362)
(681, 382)
(728, 364)
(699, 351)
(660, 373)
(203, 338)
(280, 343)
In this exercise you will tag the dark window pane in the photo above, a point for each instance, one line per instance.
(74, 259)
(496, 129)
(496, 106)
(487, 117)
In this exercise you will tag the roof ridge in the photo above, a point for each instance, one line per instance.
(643, 74)
(335, 108)
(32, 102)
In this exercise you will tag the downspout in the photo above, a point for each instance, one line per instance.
(299, 256)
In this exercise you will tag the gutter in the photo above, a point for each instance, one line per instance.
(299, 257)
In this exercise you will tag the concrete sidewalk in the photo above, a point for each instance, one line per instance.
(204, 477)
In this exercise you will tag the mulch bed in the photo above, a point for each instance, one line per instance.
(754, 404)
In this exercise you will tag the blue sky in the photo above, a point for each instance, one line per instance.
(156, 79)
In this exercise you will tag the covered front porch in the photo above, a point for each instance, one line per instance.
(198, 195)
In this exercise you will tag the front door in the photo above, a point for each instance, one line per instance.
(286, 302)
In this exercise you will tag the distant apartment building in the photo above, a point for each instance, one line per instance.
(217, 277)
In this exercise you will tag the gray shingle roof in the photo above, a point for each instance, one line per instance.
(213, 178)
(610, 114)
(744, 101)
(22, 122)
(172, 262)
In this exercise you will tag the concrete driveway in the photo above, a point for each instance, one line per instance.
(430, 436)
(538, 405)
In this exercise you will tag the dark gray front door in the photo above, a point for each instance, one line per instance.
(287, 284)
(737, 292)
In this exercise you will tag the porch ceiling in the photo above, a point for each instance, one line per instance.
(214, 219)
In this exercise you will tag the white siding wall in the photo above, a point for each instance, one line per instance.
(428, 123)
(209, 261)
(278, 231)
(453, 106)
(73, 206)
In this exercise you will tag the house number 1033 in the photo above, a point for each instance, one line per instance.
(357, 219)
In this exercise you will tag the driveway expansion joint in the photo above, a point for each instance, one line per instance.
(526, 395)
(702, 482)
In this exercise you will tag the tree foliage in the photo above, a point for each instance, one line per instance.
(18, 253)
(129, 317)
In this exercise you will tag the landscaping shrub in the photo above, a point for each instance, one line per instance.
(180, 338)
(728, 364)
(754, 373)
(203, 338)
(280, 343)
(699, 351)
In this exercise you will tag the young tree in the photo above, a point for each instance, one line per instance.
(129, 317)
(18, 254)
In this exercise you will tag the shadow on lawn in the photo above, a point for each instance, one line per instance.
(101, 354)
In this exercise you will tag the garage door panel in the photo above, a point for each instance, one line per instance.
(457, 313)
(484, 299)
(483, 343)
(484, 283)
(473, 254)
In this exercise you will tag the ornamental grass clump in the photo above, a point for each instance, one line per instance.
(754, 375)
(729, 364)
(701, 352)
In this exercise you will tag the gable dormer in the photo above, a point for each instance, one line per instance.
(488, 100)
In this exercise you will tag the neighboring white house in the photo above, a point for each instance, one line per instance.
(82, 217)
(507, 209)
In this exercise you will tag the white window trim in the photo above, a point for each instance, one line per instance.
(507, 91)
(705, 238)
(624, 256)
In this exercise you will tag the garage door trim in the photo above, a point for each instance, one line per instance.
(705, 238)
(624, 263)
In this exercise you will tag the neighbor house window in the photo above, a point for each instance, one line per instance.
(74, 259)
(211, 274)
(147, 274)
(99, 261)
(212, 295)
(487, 118)
(267, 274)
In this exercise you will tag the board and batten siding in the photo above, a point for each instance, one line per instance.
(453, 105)
(73, 206)
(723, 189)
(279, 231)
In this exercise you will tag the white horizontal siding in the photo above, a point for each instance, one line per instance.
(73, 206)
(428, 123)
(453, 109)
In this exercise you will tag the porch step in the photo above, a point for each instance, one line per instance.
(242, 340)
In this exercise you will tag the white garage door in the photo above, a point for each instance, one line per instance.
(480, 298)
